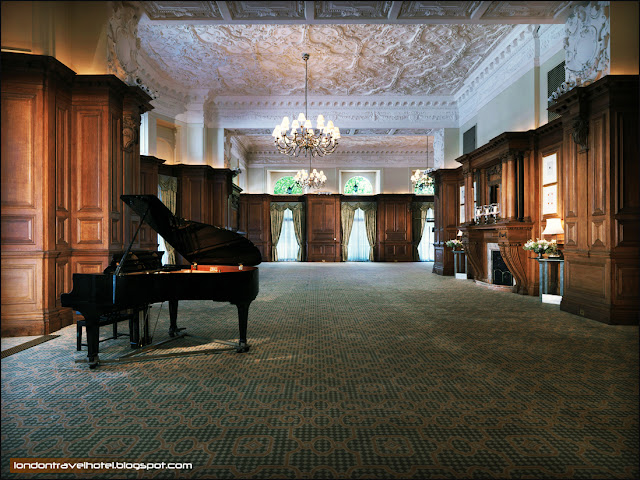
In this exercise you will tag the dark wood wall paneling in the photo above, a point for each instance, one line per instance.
(394, 225)
(255, 221)
(36, 199)
(446, 218)
(63, 163)
(323, 229)
(601, 200)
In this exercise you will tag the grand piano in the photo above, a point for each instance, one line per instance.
(222, 268)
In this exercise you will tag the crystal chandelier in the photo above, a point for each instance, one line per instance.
(422, 179)
(314, 179)
(301, 136)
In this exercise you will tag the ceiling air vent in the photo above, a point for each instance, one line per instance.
(555, 78)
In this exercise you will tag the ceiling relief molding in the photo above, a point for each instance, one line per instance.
(182, 10)
(346, 60)
(122, 42)
(344, 118)
(587, 43)
(522, 11)
(515, 56)
(350, 10)
(351, 160)
(266, 10)
(551, 41)
(441, 10)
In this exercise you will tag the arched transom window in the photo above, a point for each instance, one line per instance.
(358, 186)
(287, 186)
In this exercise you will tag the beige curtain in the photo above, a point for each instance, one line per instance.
(298, 221)
(370, 225)
(348, 211)
(277, 217)
(418, 225)
(168, 187)
(346, 215)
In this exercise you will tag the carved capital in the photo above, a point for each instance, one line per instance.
(580, 133)
(130, 132)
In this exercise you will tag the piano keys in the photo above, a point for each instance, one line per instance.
(223, 269)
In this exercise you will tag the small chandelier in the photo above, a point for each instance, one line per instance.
(314, 179)
(301, 137)
(422, 179)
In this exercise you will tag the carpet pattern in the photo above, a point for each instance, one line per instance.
(355, 371)
(24, 346)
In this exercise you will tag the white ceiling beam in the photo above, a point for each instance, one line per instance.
(224, 11)
(394, 11)
(477, 15)
(310, 11)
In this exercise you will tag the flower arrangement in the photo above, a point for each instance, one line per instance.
(541, 246)
(455, 244)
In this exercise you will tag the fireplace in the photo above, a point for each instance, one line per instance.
(497, 271)
(500, 272)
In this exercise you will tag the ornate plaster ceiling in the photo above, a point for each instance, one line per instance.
(346, 60)
(359, 11)
(401, 64)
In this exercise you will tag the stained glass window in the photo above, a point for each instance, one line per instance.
(424, 189)
(287, 186)
(358, 186)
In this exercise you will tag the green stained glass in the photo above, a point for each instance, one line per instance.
(424, 189)
(358, 186)
(287, 186)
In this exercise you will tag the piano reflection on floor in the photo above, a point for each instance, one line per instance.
(223, 269)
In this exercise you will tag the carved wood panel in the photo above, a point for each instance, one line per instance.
(323, 228)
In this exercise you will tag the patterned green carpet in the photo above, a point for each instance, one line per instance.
(355, 371)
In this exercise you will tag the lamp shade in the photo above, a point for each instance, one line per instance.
(554, 227)
(459, 234)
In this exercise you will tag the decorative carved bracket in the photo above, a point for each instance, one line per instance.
(515, 258)
(474, 256)
(580, 133)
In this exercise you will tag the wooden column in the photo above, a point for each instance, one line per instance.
(511, 187)
(36, 197)
(149, 171)
(96, 171)
(602, 203)
(445, 218)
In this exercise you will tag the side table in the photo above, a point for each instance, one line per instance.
(545, 296)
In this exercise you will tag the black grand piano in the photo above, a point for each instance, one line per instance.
(223, 269)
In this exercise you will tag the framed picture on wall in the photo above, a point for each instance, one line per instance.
(549, 169)
(550, 199)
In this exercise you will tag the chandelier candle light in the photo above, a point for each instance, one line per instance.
(422, 178)
(301, 136)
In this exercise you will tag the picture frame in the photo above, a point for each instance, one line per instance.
(550, 169)
(550, 199)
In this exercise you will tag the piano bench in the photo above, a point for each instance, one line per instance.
(108, 319)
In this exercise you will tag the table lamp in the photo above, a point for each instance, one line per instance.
(554, 227)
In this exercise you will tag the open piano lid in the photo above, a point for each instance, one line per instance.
(197, 242)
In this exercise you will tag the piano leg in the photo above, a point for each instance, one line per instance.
(243, 315)
(93, 340)
(173, 318)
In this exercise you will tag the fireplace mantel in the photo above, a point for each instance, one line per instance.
(510, 238)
